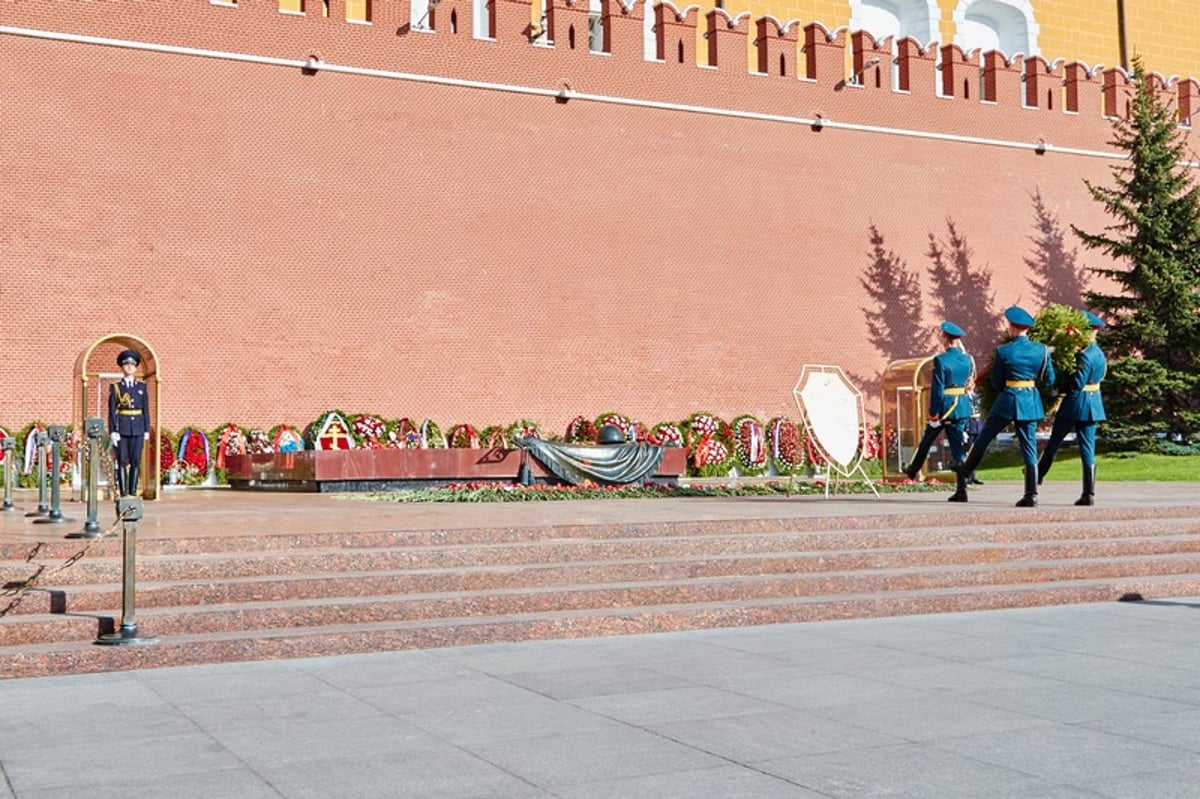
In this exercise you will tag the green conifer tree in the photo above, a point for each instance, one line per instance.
(1153, 339)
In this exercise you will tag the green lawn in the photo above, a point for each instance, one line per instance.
(1006, 465)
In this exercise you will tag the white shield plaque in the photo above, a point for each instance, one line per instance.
(832, 410)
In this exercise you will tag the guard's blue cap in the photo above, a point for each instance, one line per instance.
(951, 329)
(129, 355)
(1018, 316)
(1094, 321)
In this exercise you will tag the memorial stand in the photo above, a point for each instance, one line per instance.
(41, 441)
(129, 512)
(8, 445)
(93, 429)
(57, 435)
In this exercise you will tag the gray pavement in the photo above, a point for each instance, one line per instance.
(1078, 701)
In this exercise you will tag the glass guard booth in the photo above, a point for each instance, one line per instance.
(904, 411)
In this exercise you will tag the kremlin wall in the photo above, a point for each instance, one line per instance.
(299, 212)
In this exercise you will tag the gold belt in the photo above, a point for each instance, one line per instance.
(130, 413)
(1092, 387)
(1019, 383)
(954, 392)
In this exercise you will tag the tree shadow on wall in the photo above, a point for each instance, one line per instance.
(962, 293)
(1058, 276)
(894, 318)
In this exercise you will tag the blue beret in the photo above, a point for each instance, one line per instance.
(1018, 316)
(951, 329)
(1093, 320)
(129, 355)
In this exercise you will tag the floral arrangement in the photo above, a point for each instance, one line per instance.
(709, 439)
(870, 443)
(285, 438)
(665, 434)
(494, 438)
(581, 430)
(463, 436)
(192, 456)
(28, 443)
(787, 448)
(230, 440)
(1065, 331)
(523, 428)
(431, 435)
(331, 431)
(812, 452)
(369, 431)
(622, 423)
(4, 434)
(749, 446)
(166, 452)
(259, 442)
(185, 473)
(403, 434)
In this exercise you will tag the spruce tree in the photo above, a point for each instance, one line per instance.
(894, 318)
(1153, 338)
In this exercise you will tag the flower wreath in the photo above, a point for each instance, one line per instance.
(259, 442)
(5, 434)
(403, 434)
(29, 446)
(331, 431)
(523, 428)
(494, 438)
(431, 435)
(166, 452)
(623, 423)
(813, 452)
(749, 445)
(369, 431)
(709, 438)
(285, 438)
(581, 430)
(1065, 331)
(870, 443)
(193, 451)
(463, 436)
(665, 434)
(787, 448)
(230, 440)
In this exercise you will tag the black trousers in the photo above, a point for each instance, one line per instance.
(129, 450)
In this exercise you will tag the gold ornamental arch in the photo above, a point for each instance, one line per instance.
(96, 369)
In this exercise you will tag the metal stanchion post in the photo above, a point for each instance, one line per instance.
(57, 434)
(41, 441)
(8, 444)
(93, 430)
(129, 511)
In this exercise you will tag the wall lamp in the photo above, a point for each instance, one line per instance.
(310, 65)
(1040, 148)
(857, 76)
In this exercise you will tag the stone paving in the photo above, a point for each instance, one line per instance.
(1099, 700)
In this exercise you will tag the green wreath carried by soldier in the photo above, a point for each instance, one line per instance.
(1061, 328)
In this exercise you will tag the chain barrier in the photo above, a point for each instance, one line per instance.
(17, 590)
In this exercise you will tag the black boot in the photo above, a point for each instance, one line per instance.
(960, 484)
(120, 470)
(132, 485)
(1044, 468)
(1088, 497)
(1031, 489)
(912, 473)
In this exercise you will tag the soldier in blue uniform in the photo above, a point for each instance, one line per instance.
(1081, 409)
(949, 408)
(1017, 368)
(128, 421)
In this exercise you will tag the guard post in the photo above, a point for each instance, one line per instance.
(41, 440)
(93, 431)
(57, 435)
(129, 511)
(8, 444)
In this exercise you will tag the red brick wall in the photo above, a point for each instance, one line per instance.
(290, 243)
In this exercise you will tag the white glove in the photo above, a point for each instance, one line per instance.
(145, 436)
(114, 438)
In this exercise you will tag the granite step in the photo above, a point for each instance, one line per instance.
(909, 528)
(210, 589)
(241, 645)
(412, 606)
(221, 565)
